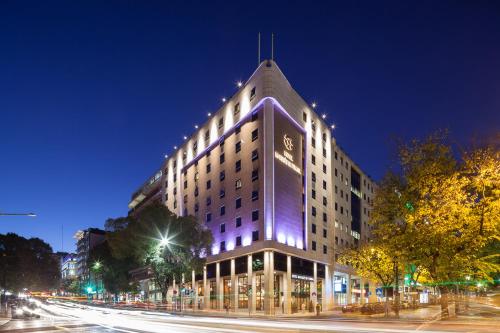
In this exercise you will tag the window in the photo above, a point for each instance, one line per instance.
(236, 110)
(252, 93)
(313, 211)
(209, 167)
(324, 184)
(336, 189)
(325, 249)
(221, 122)
(209, 217)
(336, 240)
(185, 184)
(237, 146)
(238, 203)
(207, 135)
(175, 204)
(255, 154)
(195, 147)
(238, 241)
(324, 152)
(209, 184)
(209, 201)
(324, 201)
(304, 116)
(255, 235)
(341, 210)
(335, 155)
(222, 193)
(313, 245)
(313, 228)
(221, 143)
(324, 233)
(196, 191)
(255, 215)
(313, 159)
(222, 175)
(255, 134)
(324, 168)
(222, 158)
(336, 206)
(313, 194)
(223, 246)
(237, 166)
(238, 129)
(313, 140)
(255, 174)
(222, 210)
(324, 136)
(237, 184)
(222, 228)
(335, 172)
(238, 222)
(255, 195)
(196, 207)
(313, 176)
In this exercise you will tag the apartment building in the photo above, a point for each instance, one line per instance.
(86, 240)
(281, 198)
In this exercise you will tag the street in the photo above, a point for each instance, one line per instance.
(58, 317)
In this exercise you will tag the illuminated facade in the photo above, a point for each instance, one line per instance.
(262, 174)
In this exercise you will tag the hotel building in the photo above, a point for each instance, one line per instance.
(266, 176)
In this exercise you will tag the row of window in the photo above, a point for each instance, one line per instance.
(255, 238)
(222, 211)
(313, 247)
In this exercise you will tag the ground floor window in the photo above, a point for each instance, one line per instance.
(213, 295)
(227, 293)
(301, 295)
(243, 292)
(259, 292)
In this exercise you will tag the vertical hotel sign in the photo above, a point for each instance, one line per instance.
(288, 186)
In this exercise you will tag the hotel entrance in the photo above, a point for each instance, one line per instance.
(301, 294)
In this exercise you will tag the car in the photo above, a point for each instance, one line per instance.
(24, 309)
(350, 308)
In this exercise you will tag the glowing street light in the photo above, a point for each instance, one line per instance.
(164, 242)
(333, 126)
(223, 99)
(323, 115)
(314, 105)
(239, 84)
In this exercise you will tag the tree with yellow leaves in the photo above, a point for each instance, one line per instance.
(439, 212)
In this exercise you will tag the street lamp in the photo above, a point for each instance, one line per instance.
(18, 214)
(164, 242)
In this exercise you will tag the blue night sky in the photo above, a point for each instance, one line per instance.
(93, 94)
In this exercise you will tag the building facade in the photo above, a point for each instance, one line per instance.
(281, 198)
(68, 266)
(86, 240)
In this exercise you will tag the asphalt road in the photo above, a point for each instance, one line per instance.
(62, 317)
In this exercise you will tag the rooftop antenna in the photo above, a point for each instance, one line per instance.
(258, 51)
(272, 46)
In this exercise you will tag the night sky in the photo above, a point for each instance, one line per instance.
(93, 94)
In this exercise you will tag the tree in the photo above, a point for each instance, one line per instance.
(27, 263)
(373, 263)
(111, 270)
(172, 246)
(437, 211)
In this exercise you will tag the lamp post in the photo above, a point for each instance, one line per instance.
(18, 214)
(96, 267)
(396, 287)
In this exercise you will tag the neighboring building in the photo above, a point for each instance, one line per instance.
(86, 241)
(68, 266)
(280, 197)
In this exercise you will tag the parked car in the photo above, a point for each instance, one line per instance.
(350, 308)
(24, 309)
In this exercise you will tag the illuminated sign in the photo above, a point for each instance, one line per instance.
(302, 277)
(286, 156)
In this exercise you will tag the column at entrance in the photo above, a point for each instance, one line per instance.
(218, 287)
(234, 287)
(206, 291)
(348, 290)
(328, 289)
(268, 282)
(314, 286)
(194, 291)
(362, 293)
(287, 287)
(251, 286)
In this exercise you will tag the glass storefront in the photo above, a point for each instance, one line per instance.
(227, 293)
(243, 292)
(301, 294)
(259, 292)
(213, 295)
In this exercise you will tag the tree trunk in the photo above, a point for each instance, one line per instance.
(386, 303)
(444, 302)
